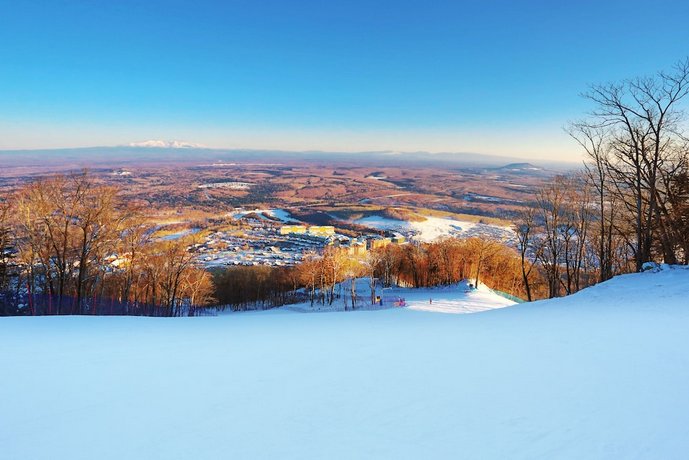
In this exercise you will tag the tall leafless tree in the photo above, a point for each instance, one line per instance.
(642, 122)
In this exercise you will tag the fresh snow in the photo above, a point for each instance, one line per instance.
(156, 143)
(458, 299)
(279, 214)
(434, 228)
(447, 300)
(602, 374)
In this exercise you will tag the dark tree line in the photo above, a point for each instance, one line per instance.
(256, 287)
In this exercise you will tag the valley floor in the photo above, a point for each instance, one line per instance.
(602, 374)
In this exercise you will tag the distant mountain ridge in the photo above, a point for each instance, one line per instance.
(182, 152)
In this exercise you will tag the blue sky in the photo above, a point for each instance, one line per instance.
(499, 77)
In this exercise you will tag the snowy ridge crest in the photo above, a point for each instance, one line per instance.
(174, 144)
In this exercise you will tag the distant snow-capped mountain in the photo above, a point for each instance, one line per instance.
(167, 144)
(520, 167)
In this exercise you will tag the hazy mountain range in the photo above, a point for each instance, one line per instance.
(171, 152)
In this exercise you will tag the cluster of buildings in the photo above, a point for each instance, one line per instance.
(314, 230)
(230, 185)
(353, 246)
(264, 243)
(360, 246)
(256, 246)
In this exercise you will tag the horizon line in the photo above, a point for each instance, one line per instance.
(295, 151)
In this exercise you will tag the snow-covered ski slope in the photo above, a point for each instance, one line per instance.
(454, 299)
(459, 298)
(602, 374)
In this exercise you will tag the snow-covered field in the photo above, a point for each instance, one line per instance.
(602, 374)
(279, 214)
(180, 234)
(436, 227)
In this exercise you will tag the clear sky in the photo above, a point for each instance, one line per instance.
(499, 77)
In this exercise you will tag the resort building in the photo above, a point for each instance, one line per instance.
(287, 229)
(321, 230)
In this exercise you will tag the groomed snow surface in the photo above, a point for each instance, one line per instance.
(460, 298)
(603, 374)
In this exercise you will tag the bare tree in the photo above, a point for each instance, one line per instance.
(530, 246)
(175, 260)
(353, 268)
(136, 236)
(642, 122)
(197, 287)
(676, 212)
(551, 214)
(594, 142)
(98, 228)
(47, 209)
(373, 260)
(483, 251)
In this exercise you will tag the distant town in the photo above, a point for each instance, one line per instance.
(262, 242)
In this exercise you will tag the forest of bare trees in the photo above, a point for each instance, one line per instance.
(256, 287)
(630, 205)
(74, 248)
